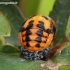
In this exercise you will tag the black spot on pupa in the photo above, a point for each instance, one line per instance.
(45, 17)
(22, 29)
(40, 32)
(54, 30)
(37, 45)
(38, 39)
(48, 31)
(27, 44)
(28, 32)
(27, 38)
(45, 41)
(53, 27)
(41, 22)
(41, 25)
(30, 25)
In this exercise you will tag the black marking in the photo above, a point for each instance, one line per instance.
(30, 25)
(40, 32)
(27, 44)
(28, 32)
(54, 30)
(45, 17)
(45, 41)
(38, 39)
(53, 27)
(22, 29)
(48, 31)
(41, 22)
(27, 38)
(37, 45)
(41, 25)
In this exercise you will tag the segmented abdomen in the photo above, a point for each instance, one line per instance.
(36, 34)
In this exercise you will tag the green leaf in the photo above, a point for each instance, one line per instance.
(1, 45)
(4, 25)
(5, 29)
(9, 49)
(68, 28)
(63, 56)
(64, 68)
(16, 19)
(60, 14)
(12, 13)
(16, 63)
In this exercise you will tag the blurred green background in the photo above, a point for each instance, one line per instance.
(33, 7)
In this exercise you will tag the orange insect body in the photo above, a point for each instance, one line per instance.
(37, 33)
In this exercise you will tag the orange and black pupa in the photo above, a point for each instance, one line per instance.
(35, 36)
